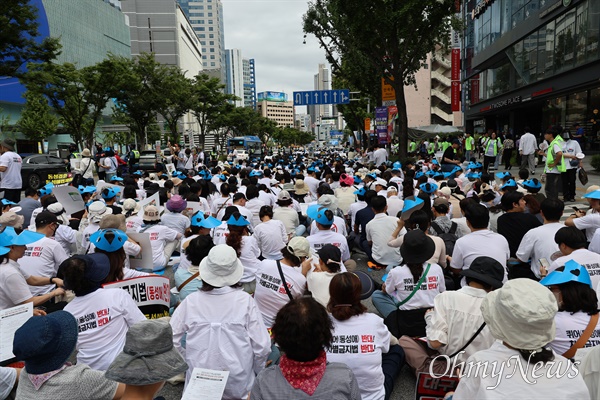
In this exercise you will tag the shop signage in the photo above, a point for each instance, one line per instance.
(507, 102)
(479, 122)
(480, 8)
(455, 96)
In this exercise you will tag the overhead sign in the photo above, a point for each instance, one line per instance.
(315, 97)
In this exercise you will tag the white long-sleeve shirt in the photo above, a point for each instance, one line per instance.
(527, 144)
(224, 331)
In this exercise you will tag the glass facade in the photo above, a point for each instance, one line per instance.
(569, 41)
(88, 30)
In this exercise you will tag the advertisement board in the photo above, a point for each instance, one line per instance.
(273, 96)
(381, 124)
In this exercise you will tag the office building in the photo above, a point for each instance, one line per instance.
(249, 83)
(161, 27)
(531, 63)
(88, 31)
(276, 107)
(322, 81)
(302, 122)
(234, 75)
(206, 17)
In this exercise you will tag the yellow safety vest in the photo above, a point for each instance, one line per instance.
(469, 142)
(136, 154)
(487, 146)
(550, 156)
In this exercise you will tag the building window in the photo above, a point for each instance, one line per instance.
(210, 14)
(212, 64)
(210, 21)
(211, 35)
(202, 35)
(212, 57)
(212, 42)
(210, 29)
(212, 50)
(204, 57)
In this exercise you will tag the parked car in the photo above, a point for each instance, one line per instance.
(40, 169)
(147, 160)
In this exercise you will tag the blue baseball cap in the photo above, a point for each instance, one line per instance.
(100, 240)
(532, 184)
(209, 222)
(573, 272)
(138, 173)
(509, 183)
(428, 188)
(317, 213)
(396, 166)
(116, 179)
(240, 221)
(361, 192)
(110, 192)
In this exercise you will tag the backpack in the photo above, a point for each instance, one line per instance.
(449, 237)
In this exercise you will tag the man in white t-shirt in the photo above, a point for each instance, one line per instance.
(379, 155)
(239, 201)
(159, 235)
(10, 171)
(480, 242)
(527, 149)
(589, 222)
(539, 242)
(379, 231)
(324, 219)
(311, 180)
(42, 258)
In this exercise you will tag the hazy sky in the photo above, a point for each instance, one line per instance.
(270, 31)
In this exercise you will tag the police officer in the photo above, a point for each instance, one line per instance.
(133, 158)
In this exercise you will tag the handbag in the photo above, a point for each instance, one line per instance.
(78, 178)
(582, 175)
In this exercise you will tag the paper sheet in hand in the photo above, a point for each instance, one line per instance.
(170, 168)
(144, 259)
(12, 319)
(192, 208)
(206, 384)
(152, 200)
(70, 198)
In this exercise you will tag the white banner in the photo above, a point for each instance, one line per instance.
(152, 290)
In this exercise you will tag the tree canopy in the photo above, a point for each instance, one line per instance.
(390, 39)
(18, 32)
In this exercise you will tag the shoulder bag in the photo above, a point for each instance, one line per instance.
(416, 288)
(287, 290)
(589, 329)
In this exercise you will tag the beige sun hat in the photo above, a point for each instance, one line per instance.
(521, 313)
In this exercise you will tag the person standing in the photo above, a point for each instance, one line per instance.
(527, 148)
(555, 162)
(10, 171)
(509, 146)
(569, 177)
(491, 146)
(469, 146)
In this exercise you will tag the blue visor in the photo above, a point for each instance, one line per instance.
(317, 213)
(361, 192)
(209, 222)
(509, 183)
(100, 240)
(241, 221)
(573, 272)
(109, 193)
(592, 195)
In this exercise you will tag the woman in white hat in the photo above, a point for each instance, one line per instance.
(222, 326)
(86, 167)
(520, 316)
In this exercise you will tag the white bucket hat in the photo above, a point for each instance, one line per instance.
(221, 267)
(97, 210)
(521, 313)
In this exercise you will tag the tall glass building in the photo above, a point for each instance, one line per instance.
(531, 63)
(249, 83)
(206, 17)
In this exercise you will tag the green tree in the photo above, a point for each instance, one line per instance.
(139, 96)
(392, 38)
(4, 122)
(77, 96)
(209, 104)
(18, 32)
(288, 136)
(37, 121)
(176, 95)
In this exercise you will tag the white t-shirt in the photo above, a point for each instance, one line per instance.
(42, 258)
(11, 178)
(354, 208)
(379, 230)
(595, 242)
(338, 226)
(324, 237)
(270, 295)
(346, 197)
(571, 148)
(220, 203)
(289, 217)
(219, 234)
(134, 223)
(584, 257)
(359, 342)
(160, 235)
(538, 243)
(312, 183)
(318, 284)
(87, 232)
(271, 237)
(569, 327)
(103, 317)
(183, 260)
(400, 284)
(477, 244)
(249, 258)
(13, 286)
(394, 205)
(557, 380)
(590, 223)
(176, 221)
(254, 206)
(268, 198)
